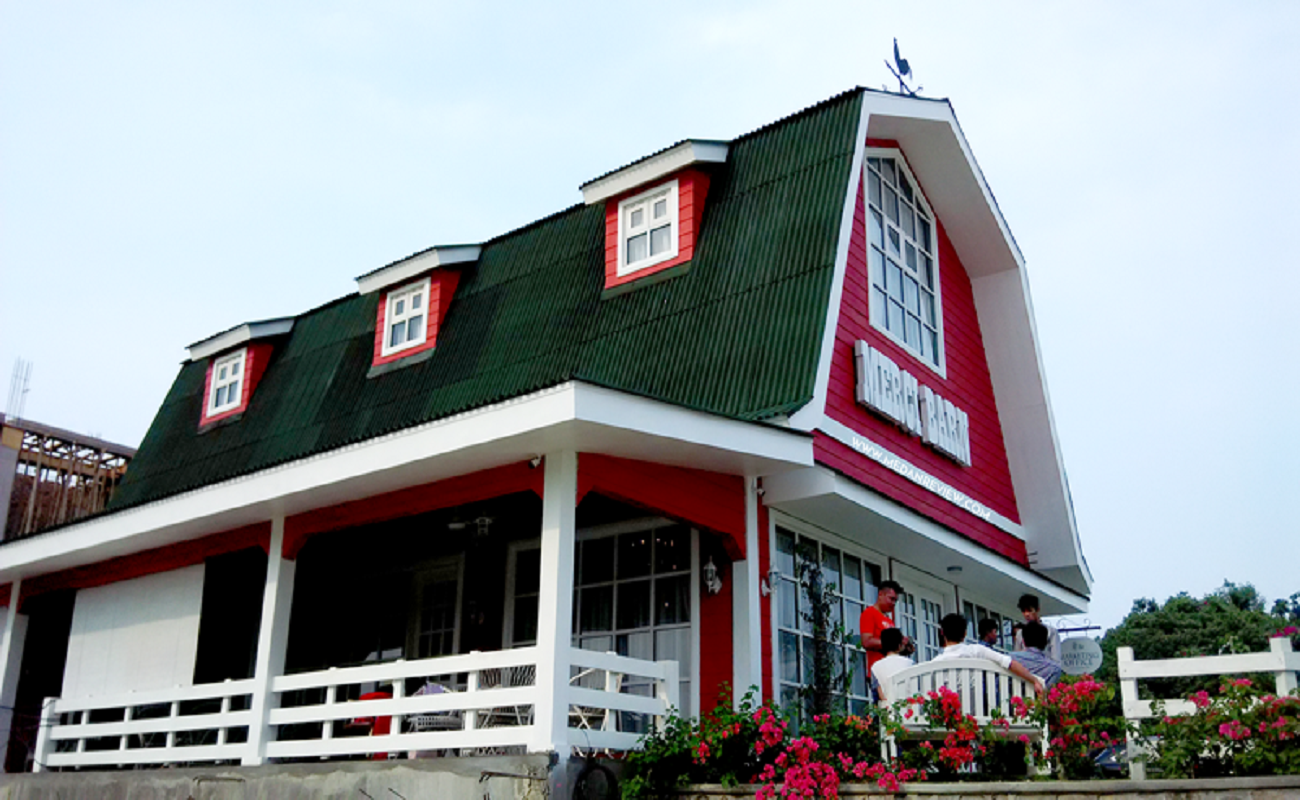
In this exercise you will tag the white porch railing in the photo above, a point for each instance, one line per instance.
(477, 702)
(1281, 660)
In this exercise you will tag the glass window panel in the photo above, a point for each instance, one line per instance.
(852, 578)
(528, 570)
(925, 347)
(887, 169)
(809, 665)
(877, 305)
(661, 208)
(876, 228)
(674, 645)
(399, 307)
(221, 373)
(894, 280)
(525, 623)
(637, 218)
(911, 295)
(597, 560)
(672, 549)
(660, 240)
(634, 554)
(634, 604)
(875, 266)
(232, 392)
(234, 368)
(785, 551)
(874, 163)
(397, 335)
(873, 189)
(789, 657)
(910, 253)
(417, 299)
(934, 344)
(672, 600)
(637, 645)
(637, 248)
(413, 327)
(831, 567)
(927, 307)
(221, 396)
(923, 234)
(905, 219)
(805, 610)
(789, 612)
(599, 644)
(895, 246)
(895, 318)
(890, 204)
(905, 186)
(597, 604)
(852, 613)
(913, 335)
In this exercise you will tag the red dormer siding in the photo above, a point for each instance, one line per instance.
(692, 186)
(255, 360)
(442, 285)
(967, 384)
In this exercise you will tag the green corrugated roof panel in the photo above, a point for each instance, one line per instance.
(738, 334)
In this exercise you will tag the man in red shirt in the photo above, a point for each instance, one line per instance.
(877, 618)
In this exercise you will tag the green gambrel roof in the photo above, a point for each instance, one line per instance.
(738, 334)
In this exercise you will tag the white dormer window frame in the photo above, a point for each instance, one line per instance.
(406, 317)
(226, 392)
(648, 228)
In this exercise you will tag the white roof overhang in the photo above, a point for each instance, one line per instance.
(868, 519)
(248, 332)
(573, 416)
(659, 165)
(423, 261)
(941, 159)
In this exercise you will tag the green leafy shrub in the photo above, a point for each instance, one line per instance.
(1241, 730)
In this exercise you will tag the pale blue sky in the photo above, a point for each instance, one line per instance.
(168, 170)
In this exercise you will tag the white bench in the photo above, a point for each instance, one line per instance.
(984, 687)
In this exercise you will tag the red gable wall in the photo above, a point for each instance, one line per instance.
(967, 385)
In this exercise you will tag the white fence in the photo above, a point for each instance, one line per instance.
(1280, 660)
(479, 703)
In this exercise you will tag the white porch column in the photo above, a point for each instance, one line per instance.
(11, 659)
(747, 628)
(555, 604)
(272, 638)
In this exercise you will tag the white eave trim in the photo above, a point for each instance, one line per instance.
(660, 165)
(572, 416)
(248, 332)
(424, 261)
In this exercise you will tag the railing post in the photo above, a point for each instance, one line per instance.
(1128, 692)
(555, 605)
(272, 637)
(11, 657)
(472, 682)
(43, 740)
(225, 709)
(1287, 666)
(669, 691)
(331, 697)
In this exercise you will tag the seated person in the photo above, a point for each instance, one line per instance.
(990, 633)
(1028, 606)
(891, 643)
(953, 630)
(1036, 637)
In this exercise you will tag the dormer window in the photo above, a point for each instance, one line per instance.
(648, 228)
(406, 317)
(225, 392)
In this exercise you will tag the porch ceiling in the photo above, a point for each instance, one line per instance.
(825, 499)
(574, 416)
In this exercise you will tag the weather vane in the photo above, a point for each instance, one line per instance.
(903, 71)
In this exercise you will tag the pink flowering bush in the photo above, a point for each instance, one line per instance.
(1082, 719)
(1241, 730)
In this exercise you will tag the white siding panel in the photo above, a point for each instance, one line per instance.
(135, 635)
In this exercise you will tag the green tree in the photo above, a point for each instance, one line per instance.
(1231, 619)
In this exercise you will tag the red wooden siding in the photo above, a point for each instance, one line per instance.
(442, 285)
(149, 562)
(462, 489)
(716, 645)
(692, 186)
(967, 385)
(254, 365)
(708, 500)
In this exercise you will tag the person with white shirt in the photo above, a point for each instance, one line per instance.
(890, 664)
(953, 630)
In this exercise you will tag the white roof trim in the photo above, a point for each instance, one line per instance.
(572, 416)
(401, 271)
(248, 332)
(659, 165)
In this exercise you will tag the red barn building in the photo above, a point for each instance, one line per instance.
(523, 495)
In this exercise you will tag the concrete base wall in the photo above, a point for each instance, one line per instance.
(1280, 787)
(452, 778)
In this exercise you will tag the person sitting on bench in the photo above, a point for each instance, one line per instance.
(953, 630)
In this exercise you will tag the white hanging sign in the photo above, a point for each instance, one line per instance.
(1081, 656)
(896, 395)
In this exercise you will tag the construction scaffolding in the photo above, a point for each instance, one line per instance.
(53, 476)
